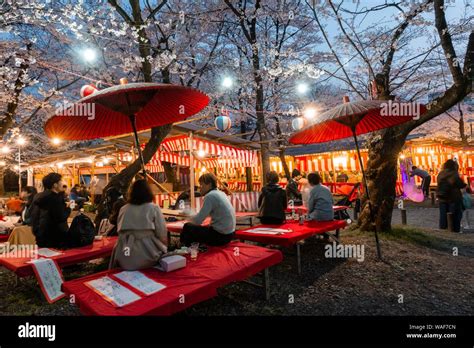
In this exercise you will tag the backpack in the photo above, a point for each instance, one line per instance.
(81, 232)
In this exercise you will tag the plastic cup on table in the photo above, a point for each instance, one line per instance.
(194, 251)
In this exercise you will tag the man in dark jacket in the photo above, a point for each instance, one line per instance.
(292, 191)
(272, 202)
(449, 195)
(49, 221)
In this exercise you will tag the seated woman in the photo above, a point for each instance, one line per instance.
(222, 213)
(143, 237)
(272, 202)
(28, 193)
(320, 200)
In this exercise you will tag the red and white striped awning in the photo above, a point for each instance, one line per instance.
(173, 150)
(227, 156)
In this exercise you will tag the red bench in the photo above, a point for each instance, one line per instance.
(195, 283)
(100, 248)
(298, 234)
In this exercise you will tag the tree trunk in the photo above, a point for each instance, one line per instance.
(2, 183)
(462, 130)
(381, 174)
(171, 176)
(281, 154)
(122, 180)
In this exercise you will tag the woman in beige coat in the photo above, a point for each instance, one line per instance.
(142, 234)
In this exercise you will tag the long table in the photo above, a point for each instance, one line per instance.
(100, 248)
(301, 209)
(195, 283)
(295, 235)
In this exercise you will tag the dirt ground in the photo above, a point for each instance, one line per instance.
(420, 275)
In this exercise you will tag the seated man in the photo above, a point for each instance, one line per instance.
(76, 196)
(222, 213)
(49, 221)
(185, 197)
(292, 192)
(320, 200)
(272, 202)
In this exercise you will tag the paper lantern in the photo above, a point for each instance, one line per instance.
(298, 123)
(87, 90)
(222, 123)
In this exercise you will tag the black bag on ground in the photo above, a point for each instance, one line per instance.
(81, 232)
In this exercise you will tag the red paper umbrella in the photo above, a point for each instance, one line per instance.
(125, 108)
(363, 116)
(352, 119)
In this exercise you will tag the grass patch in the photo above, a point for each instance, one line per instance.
(421, 238)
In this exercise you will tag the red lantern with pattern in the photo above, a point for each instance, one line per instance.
(88, 90)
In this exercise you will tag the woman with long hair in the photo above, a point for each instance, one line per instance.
(141, 229)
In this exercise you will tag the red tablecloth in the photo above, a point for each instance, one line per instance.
(198, 281)
(304, 210)
(299, 232)
(100, 248)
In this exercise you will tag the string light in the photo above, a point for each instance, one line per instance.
(21, 141)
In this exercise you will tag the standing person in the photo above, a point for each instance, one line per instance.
(143, 237)
(49, 220)
(320, 200)
(292, 192)
(28, 193)
(449, 195)
(425, 179)
(222, 213)
(272, 202)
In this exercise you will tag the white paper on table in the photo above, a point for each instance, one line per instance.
(140, 282)
(113, 291)
(177, 224)
(45, 252)
(49, 277)
(14, 219)
(268, 230)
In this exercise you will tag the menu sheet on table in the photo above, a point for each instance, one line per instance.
(112, 291)
(45, 252)
(139, 281)
(50, 278)
(269, 230)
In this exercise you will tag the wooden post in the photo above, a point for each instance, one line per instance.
(334, 179)
(433, 198)
(356, 214)
(404, 216)
(450, 222)
(191, 169)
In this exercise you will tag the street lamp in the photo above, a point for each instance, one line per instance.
(89, 55)
(302, 88)
(227, 82)
(20, 142)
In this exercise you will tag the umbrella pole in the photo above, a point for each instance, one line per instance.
(137, 143)
(379, 253)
